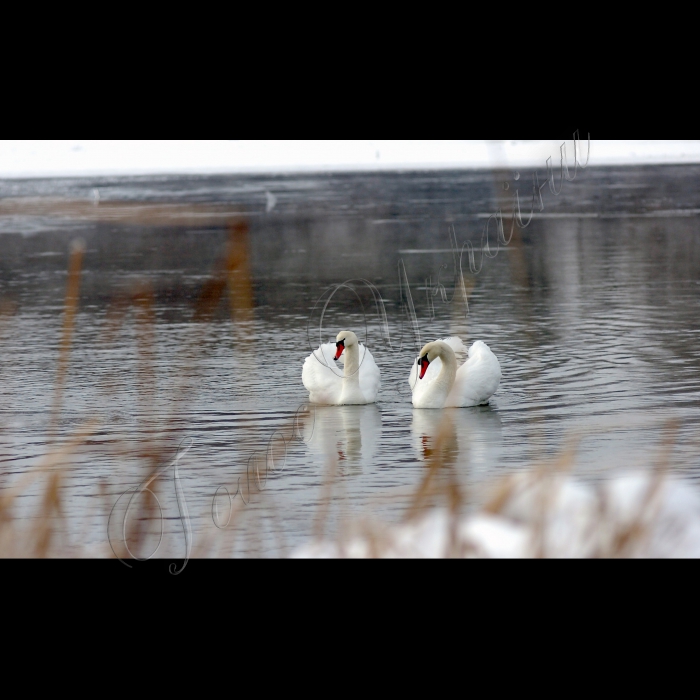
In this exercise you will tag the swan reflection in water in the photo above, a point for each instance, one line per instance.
(470, 437)
(348, 434)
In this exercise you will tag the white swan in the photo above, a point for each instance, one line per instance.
(442, 385)
(359, 382)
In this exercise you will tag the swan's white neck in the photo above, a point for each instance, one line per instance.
(447, 375)
(351, 392)
(352, 364)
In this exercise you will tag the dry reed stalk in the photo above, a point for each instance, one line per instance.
(548, 491)
(240, 286)
(441, 458)
(38, 541)
(44, 527)
(212, 293)
(47, 463)
(233, 274)
(209, 299)
(70, 309)
(612, 536)
(440, 484)
(626, 537)
(271, 509)
(376, 541)
(8, 309)
(153, 453)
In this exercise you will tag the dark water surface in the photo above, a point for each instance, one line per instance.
(592, 311)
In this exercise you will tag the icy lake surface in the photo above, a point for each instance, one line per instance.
(592, 310)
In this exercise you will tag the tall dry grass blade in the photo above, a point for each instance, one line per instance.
(240, 286)
(8, 309)
(277, 526)
(44, 529)
(440, 480)
(628, 538)
(154, 454)
(70, 308)
(47, 463)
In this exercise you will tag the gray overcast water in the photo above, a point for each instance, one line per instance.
(592, 311)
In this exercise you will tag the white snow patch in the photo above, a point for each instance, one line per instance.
(632, 515)
(24, 159)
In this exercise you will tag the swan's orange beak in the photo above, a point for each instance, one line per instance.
(339, 347)
(424, 362)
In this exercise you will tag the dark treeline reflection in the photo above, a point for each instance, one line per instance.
(613, 223)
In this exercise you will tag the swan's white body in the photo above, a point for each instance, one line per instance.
(446, 385)
(357, 384)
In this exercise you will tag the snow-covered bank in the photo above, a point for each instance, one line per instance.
(642, 514)
(24, 159)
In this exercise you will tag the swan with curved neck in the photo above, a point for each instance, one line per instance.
(442, 384)
(438, 382)
(359, 382)
(347, 344)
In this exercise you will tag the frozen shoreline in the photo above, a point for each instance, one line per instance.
(46, 159)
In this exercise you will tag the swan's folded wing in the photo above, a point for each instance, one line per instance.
(477, 379)
(457, 345)
(369, 375)
(321, 376)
